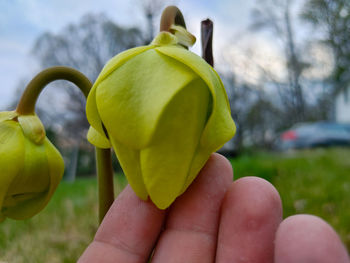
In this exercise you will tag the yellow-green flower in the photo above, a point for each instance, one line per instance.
(30, 166)
(164, 110)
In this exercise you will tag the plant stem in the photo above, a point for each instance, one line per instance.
(171, 16)
(29, 97)
(105, 183)
(207, 41)
(26, 106)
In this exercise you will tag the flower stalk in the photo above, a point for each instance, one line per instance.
(29, 97)
(26, 106)
(207, 41)
(172, 21)
(171, 16)
(105, 181)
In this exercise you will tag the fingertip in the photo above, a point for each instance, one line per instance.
(209, 187)
(221, 164)
(308, 237)
(193, 219)
(255, 195)
(251, 213)
(128, 231)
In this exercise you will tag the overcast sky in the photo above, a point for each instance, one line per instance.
(22, 21)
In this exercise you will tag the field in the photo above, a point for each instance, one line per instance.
(316, 182)
(61, 232)
(313, 182)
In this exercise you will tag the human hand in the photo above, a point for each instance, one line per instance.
(215, 220)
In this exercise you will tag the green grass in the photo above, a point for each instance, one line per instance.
(315, 182)
(61, 232)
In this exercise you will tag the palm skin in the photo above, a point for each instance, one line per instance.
(215, 220)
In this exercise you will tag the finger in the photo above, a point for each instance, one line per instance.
(128, 232)
(191, 229)
(306, 238)
(251, 213)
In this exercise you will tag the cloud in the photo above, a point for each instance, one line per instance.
(13, 55)
(251, 58)
(23, 21)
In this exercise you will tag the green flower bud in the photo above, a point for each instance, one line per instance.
(164, 110)
(30, 166)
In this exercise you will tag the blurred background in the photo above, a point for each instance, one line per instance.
(285, 65)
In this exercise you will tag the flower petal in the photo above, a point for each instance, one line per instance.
(7, 115)
(56, 169)
(129, 160)
(131, 100)
(166, 162)
(46, 180)
(184, 37)
(119, 60)
(220, 127)
(98, 139)
(92, 113)
(11, 156)
(200, 158)
(91, 107)
(165, 38)
(32, 128)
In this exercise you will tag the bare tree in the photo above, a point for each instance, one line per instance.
(151, 9)
(240, 97)
(275, 15)
(86, 46)
(332, 18)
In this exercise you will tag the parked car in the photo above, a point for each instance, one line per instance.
(318, 134)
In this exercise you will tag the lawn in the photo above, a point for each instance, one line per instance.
(313, 181)
(61, 232)
(316, 182)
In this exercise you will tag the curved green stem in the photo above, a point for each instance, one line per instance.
(171, 16)
(30, 95)
(26, 106)
(105, 181)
